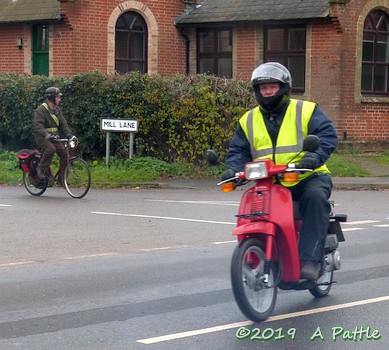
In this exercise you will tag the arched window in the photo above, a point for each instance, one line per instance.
(375, 54)
(130, 43)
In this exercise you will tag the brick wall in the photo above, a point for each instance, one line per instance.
(84, 40)
(88, 37)
(333, 71)
(245, 44)
(362, 118)
(324, 69)
(11, 57)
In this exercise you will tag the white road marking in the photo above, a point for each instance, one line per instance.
(163, 248)
(164, 218)
(173, 336)
(5, 205)
(196, 202)
(18, 263)
(359, 222)
(224, 242)
(89, 256)
(217, 222)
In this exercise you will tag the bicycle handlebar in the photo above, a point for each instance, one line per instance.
(69, 143)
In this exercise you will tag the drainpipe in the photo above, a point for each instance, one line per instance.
(187, 42)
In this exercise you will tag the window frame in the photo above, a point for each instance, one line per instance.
(286, 54)
(130, 59)
(373, 63)
(215, 54)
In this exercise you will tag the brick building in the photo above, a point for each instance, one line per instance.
(337, 51)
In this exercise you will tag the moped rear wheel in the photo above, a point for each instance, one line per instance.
(324, 285)
(255, 298)
(28, 183)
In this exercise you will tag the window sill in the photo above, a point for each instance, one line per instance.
(374, 99)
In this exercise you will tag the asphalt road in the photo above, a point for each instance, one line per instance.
(149, 269)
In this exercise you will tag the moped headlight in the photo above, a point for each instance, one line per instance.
(255, 171)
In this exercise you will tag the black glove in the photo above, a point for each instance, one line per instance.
(52, 137)
(309, 161)
(229, 173)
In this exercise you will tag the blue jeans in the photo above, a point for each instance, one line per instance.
(313, 194)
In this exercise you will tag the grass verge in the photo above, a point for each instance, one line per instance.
(130, 172)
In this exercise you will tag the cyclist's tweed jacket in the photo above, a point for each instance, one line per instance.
(44, 124)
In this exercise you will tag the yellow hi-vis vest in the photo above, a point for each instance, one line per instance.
(56, 121)
(293, 130)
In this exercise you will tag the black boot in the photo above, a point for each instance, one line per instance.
(41, 172)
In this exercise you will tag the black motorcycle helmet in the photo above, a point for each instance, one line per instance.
(271, 72)
(51, 93)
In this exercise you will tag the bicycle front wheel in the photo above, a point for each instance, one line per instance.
(30, 183)
(77, 178)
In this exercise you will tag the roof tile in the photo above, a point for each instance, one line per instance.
(14, 11)
(217, 11)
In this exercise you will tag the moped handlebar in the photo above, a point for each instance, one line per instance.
(240, 179)
(231, 179)
(296, 168)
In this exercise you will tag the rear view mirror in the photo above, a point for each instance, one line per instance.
(212, 157)
(311, 143)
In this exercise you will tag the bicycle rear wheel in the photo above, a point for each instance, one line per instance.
(29, 184)
(77, 178)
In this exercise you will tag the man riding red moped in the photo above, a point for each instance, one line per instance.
(272, 135)
(268, 232)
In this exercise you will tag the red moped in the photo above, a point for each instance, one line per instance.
(268, 224)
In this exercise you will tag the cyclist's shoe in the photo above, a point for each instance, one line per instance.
(60, 182)
(39, 183)
(41, 173)
(50, 182)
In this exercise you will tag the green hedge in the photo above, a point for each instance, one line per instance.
(179, 117)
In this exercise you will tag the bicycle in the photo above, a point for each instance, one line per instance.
(76, 172)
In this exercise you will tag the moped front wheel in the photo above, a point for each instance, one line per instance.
(29, 184)
(323, 286)
(255, 296)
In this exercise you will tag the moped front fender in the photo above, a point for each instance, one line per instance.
(273, 244)
(263, 227)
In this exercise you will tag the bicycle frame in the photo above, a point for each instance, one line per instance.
(62, 167)
(76, 175)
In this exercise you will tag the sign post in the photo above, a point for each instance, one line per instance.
(119, 125)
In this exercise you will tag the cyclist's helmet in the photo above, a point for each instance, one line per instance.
(271, 72)
(51, 93)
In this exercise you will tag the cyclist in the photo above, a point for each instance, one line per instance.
(49, 124)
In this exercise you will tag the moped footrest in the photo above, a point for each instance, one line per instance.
(340, 217)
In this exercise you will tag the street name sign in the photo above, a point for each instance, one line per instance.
(119, 125)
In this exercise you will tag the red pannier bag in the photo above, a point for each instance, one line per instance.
(28, 160)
